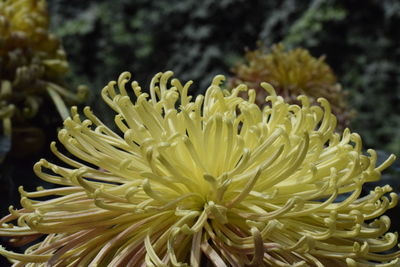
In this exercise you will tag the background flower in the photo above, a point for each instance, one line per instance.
(33, 66)
(292, 73)
(216, 179)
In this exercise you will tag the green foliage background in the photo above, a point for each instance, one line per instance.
(198, 39)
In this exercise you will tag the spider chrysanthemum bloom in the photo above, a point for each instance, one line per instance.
(292, 73)
(32, 63)
(214, 180)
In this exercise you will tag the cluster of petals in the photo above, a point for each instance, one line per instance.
(213, 180)
(292, 73)
(33, 64)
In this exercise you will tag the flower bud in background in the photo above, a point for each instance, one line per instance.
(292, 73)
(213, 179)
(32, 66)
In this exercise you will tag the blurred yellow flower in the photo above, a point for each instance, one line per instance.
(292, 73)
(33, 63)
(216, 179)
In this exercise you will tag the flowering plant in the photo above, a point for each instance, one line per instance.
(215, 178)
(33, 64)
(292, 73)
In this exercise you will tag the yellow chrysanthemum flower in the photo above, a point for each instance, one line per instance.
(216, 179)
(33, 63)
(292, 73)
